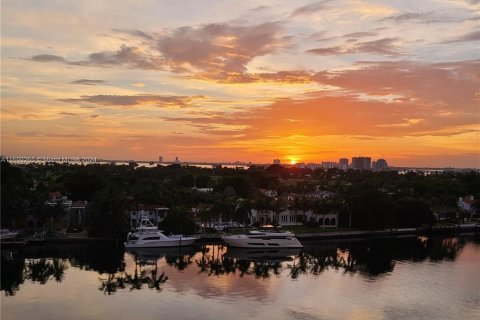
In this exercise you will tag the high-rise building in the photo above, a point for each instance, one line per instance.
(312, 166)
(328, 164)
(343, 163)
(380, 164)
(361, 163)
(160, 159)
(276, 161)
(176, 160)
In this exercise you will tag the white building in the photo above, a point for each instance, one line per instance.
(154, 213)
(269, 193)
(466, 203)
(290, 218)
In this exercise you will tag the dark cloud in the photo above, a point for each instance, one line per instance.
(63, 113)
(327, 51)
(385, 46)
(136, 33)
(128, 56)
(88, 82)
(310, 8)
(219, 50)
(360, 34)
(214, 51)
(472, 36)
(48, 58)
(421, 17)
(259, 8)
(135, 100)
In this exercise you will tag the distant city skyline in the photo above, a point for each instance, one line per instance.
(225, 81)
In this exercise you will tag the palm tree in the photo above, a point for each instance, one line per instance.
(277, 205)
(306, 205)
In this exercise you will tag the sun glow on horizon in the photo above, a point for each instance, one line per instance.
(293, 159)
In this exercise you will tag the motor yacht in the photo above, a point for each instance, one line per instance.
(7, 234)
(148, 236)
(263, 239)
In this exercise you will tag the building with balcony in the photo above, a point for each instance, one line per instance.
(154, 213)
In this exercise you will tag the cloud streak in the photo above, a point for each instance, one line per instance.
(88, 82)
(471, 36)
(136, 100)
(384, 46)
(131, 57)
(422, 17)
(309, 9)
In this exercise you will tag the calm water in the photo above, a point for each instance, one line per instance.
(401, 278)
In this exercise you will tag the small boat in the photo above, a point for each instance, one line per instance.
(148, 236)
(7, 234)
(263, 239)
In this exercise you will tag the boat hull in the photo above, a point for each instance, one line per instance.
(245, 242)
(8, 236)
(160, 243)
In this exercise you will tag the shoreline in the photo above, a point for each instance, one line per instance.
(352, 234)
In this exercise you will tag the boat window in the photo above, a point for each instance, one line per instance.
(151, 238)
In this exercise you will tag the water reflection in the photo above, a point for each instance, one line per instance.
(42, 270)
(145, 270)
(40, 264)
(150, 268)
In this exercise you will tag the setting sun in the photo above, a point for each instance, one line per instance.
(293, 160)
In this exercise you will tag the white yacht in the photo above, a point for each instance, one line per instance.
(263, 239)
(148, 236)
(7, 234)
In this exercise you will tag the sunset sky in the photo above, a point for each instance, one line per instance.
(235, 80)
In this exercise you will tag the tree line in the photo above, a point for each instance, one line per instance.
(363, 199)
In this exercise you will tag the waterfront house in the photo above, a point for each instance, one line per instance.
(65, 214)
(467, 203)
(154, 213)
(289, 217)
